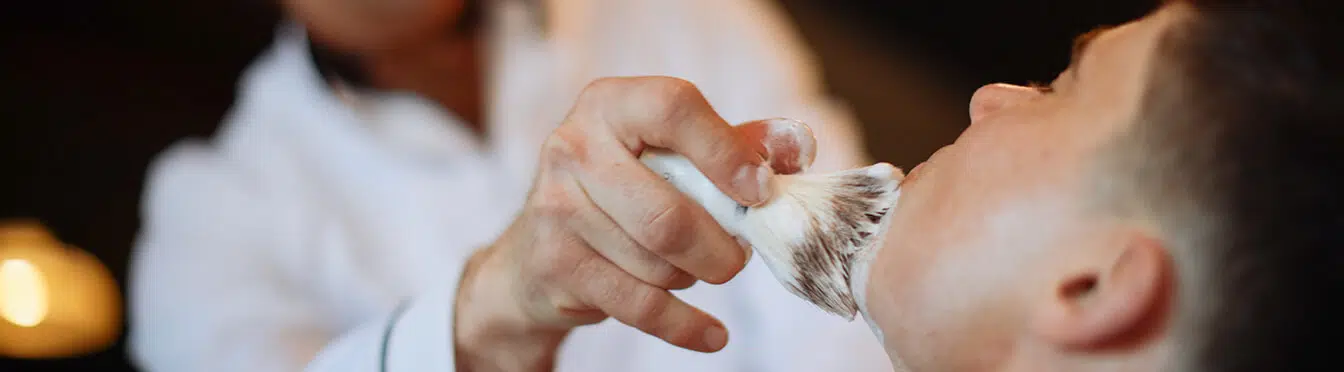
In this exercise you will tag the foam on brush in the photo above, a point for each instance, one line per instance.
(812, 233)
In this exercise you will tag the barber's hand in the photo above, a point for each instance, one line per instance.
(603, 236)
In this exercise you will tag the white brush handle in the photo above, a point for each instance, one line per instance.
(686, 177)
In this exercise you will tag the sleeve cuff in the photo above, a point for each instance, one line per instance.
(418, 336)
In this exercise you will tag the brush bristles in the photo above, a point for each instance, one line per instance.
(810, 232)
(814, 227)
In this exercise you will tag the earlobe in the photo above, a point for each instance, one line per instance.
(1122, 302)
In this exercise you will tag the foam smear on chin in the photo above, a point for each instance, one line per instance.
(859, 272)
(816, 233)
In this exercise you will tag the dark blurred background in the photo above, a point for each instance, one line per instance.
(93, 89)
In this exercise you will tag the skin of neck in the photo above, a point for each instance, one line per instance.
(1032, 355)
(447, 69)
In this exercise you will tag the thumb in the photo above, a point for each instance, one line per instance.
(789, 144)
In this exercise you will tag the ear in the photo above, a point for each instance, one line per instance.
(1120, 302)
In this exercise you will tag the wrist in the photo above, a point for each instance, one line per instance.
(490, 330)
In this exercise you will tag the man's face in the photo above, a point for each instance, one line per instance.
(986, 224)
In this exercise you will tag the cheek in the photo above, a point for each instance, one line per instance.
(939, 298)
(909, 323)
(920, 236)
(991, 157)
(939, 268)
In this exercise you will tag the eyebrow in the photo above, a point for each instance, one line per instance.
(1080, 44)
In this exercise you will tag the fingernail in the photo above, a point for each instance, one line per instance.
(753, 182)
(716, 338)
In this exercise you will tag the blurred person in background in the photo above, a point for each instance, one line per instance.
(378, 198)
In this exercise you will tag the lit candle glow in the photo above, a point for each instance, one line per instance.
(23, 293)
(56, 300)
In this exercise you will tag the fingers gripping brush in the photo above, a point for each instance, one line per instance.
(813, 233)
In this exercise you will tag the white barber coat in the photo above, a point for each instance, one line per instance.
(328, 234)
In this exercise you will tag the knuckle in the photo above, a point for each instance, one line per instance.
(650, 103)
(556, 149)
(554, 202)
(565, 146)
(671, 88)
(667, 276)
(648, 307)
(664, 229)
(547, 258)
(601, 90)
(556, 261)
(666, 99)
(547, 272)
(602, 85)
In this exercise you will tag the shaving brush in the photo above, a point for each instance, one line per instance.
(815, 230)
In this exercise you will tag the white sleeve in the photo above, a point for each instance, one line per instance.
(208, 294)
(417, 336)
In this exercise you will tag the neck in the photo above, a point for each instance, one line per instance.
(446, 70)
(1034, 357)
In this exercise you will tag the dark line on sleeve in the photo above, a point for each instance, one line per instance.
(387, 333)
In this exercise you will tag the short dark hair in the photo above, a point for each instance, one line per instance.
(1240, 140)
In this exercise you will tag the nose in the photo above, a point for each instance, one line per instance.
(995, 97)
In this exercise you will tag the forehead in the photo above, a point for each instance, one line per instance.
(1112, 74)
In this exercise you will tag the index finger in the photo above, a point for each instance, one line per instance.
(659, 217)
(672, 114)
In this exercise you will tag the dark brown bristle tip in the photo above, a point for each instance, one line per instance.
(858, 203)
(874, 217)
